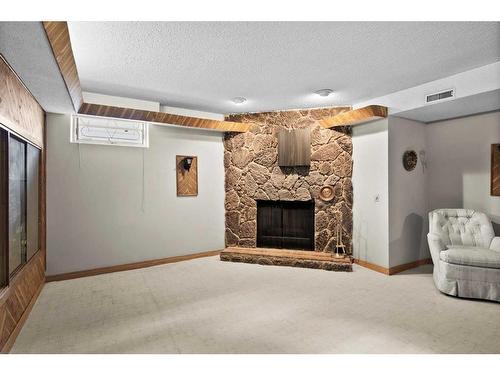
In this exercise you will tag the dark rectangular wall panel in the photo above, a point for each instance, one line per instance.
(294, 147)
(495, 169)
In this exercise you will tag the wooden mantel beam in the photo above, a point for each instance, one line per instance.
(355, 117)
(162, 118)
(58, 35)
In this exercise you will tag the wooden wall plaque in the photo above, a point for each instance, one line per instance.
(495, 169)
(187, 180)
(294, 147)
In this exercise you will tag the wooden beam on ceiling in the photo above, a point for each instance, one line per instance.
(355, 117)
(58, 35)
(162, 118)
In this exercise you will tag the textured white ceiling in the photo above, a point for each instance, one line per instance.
(27, 49)
(473, 104)
(275, 65)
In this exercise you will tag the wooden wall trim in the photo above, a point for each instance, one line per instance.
(355, 116)
(372, 266)
(19, 110)
(129, 266)
(162, 118)
(407, 266)
(393, 270)
(60, 42)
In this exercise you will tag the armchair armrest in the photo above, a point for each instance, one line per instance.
(435, 242)
(435, 247)
(495, 244)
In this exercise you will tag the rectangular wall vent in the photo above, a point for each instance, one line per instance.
(446, 94)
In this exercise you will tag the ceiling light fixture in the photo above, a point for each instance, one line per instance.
(238, 100)
(324, 92)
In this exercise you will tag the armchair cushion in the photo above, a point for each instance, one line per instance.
(472, 256)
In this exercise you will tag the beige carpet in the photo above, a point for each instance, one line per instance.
(208, 306)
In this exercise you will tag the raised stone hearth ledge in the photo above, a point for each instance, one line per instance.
(290, 258)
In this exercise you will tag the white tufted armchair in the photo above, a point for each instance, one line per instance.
(465, 253)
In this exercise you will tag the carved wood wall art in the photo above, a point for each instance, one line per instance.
(187, 175)
(495, 169)
(410, 159)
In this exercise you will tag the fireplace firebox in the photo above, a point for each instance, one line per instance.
(285, 224)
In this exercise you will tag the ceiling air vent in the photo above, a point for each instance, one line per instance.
(446, 94)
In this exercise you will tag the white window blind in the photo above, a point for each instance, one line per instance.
(109, 131)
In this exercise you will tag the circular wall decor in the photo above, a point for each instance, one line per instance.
(410, 160)
(326, 193)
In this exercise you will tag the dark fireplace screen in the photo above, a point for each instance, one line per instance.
(285, 224)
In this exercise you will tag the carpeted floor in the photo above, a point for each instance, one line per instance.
(208, 306)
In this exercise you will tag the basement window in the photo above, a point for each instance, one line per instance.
(109, 131)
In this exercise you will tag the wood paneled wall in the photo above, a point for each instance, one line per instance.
(21, 113)
(18, 298)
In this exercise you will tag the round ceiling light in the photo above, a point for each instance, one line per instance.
(238, 100)
(324, 92)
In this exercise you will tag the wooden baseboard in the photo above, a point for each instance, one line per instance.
(13, 336)
(129, 266)
(395, 269)
(372, 266)
(407, 266)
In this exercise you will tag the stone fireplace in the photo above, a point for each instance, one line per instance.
(252, 175)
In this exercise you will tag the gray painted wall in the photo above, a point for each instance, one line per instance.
(459, 156)
(408, 226)
(457, 175)
(99, 215)
(370, 180)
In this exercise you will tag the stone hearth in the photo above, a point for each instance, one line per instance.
(291, 258)
(252, 173)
